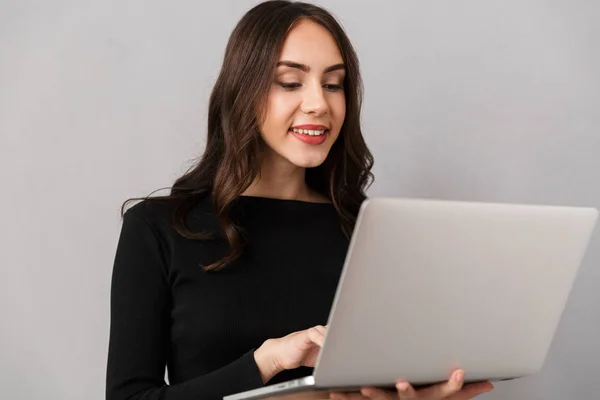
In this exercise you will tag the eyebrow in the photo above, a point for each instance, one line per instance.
(306, 68)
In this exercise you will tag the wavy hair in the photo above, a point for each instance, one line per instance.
(231, 159)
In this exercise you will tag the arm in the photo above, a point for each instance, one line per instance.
(139, 329)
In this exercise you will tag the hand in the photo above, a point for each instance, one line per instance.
(454, 389)
(298, 349)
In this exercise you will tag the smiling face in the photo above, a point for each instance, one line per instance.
(306, 105)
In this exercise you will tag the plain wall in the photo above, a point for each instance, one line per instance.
(103, 100)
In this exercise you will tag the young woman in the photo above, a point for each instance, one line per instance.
(229, 279)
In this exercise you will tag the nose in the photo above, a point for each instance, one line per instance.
(314, 101)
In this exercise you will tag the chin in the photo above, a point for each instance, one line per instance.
(308, 162)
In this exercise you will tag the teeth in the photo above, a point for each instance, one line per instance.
(308, 132)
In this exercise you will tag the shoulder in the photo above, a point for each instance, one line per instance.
(148, 226)
(159, 213)
(153, 211)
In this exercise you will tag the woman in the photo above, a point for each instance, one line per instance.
(228, 280)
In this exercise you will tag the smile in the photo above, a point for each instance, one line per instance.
(310, 136)
(309, 132)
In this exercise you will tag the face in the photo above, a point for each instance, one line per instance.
(306, 104)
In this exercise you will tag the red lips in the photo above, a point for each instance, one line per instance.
(311, 127)
(308, 139)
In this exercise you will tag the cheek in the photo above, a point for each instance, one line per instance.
(280, 111)
(338, 107)
(338, 110)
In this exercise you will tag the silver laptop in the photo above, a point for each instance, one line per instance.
(431, 285)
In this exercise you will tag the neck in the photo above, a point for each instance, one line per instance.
(281, 179)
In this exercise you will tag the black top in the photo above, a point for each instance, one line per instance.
(204, 326)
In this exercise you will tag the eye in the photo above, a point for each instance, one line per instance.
(289, 85)
(334, 88)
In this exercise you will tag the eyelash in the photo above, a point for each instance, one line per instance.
(294, 86)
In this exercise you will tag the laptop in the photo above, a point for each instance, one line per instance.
(432, 285)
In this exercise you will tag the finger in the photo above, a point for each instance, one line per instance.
(472, 390)
(307, 339)
(375, 394)
(322, 329)
(405, 391)
(316, 336)
(447, 389)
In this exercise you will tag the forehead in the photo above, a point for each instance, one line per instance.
(310, 43)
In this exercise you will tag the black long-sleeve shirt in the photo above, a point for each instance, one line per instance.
(204, 326)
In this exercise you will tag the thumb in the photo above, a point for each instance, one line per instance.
(310, 337)
(315, 335)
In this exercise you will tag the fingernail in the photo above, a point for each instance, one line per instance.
(459, 376)
(402, 386)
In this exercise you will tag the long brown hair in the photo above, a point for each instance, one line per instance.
(231, 159)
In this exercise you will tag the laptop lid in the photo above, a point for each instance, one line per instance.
(431, 285)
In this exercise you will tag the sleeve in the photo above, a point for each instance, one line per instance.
(139, 328)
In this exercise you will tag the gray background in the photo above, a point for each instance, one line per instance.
(102, 100)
